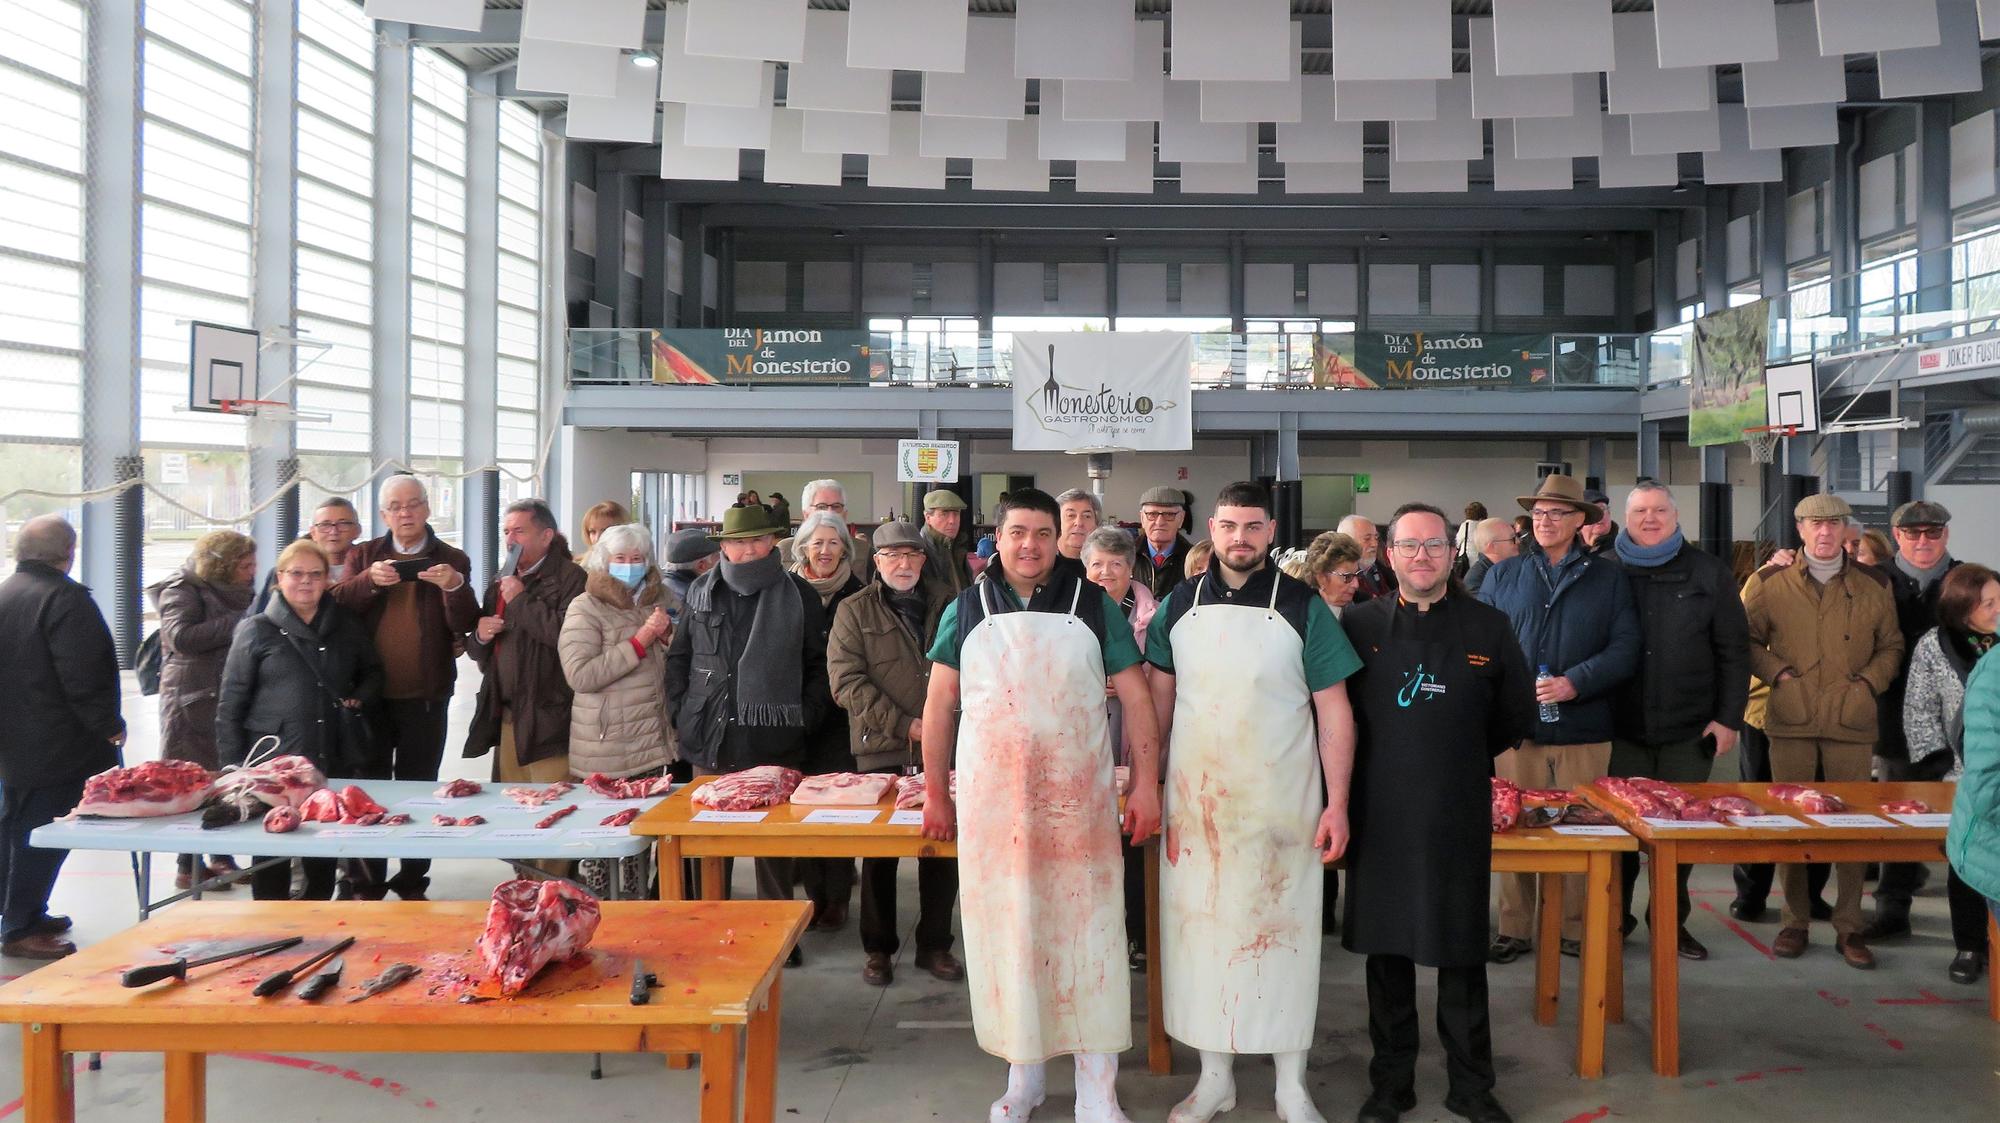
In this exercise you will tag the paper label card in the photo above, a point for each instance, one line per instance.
(1590, 830)
(833, 815)
(423, 801)
(195, 828)
(1934, 820)
(527, 834)
(439, 832)
(1850, 821)
(1767, 822)
(104, 825)
(601, 832)
(353, 832)
(907, 818)
(713, 816)
(1682, 825)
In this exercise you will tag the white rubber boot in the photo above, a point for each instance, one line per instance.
(1214, 1092)
(1295, 1105)
(1027, 1086)
(1097, 1089)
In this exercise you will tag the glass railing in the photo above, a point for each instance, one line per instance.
(1217, 360)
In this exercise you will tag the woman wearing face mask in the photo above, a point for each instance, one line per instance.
(613, 648)
(822, 553)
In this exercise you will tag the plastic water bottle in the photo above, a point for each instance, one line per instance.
(1551, 712)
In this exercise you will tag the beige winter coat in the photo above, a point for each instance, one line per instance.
(1841, 638)
(618, 723)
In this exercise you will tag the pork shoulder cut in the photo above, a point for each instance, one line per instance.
(323, 806)
(531, 924)
(910, 791)
(281, 820)
(283, 781)
(766, 785)
(1506, 806)
(842, 789)
(628, 789)
(1906, 807)
(157, 787)
(1812, 801)
(458, 789)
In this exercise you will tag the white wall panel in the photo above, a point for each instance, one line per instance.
(1333, 289)
(1455, 289)
(1392, 290)
(1267, 289)
(1972, 159)
(1517, 290)
(886, 288)
(760, 286)
(1590, 290)
(1142, 289)
(829, 286)
(1204, 289)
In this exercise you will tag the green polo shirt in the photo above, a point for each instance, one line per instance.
(1118, 649)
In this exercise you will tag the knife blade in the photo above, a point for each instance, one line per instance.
(177, 967)
(510, 561)
(642, 983)
(321, 983)
(272, 984)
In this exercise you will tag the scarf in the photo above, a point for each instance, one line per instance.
(826, 587)
(1647, 557)
(909, 607)
(1970, 647)
(1823, 571)
(1925, 578)
(770, 687)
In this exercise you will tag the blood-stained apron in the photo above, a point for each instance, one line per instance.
(1241, 886)
(1042, 889)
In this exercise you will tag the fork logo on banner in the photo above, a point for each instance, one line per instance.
(1102, 391)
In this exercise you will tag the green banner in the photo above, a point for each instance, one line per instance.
(1409, 360)
(735, 356)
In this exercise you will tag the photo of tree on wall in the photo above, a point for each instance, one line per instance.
(1726, 374)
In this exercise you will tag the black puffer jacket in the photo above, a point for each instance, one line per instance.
(701, 679)
(1694, 659)
(59, 704)
(272, 684)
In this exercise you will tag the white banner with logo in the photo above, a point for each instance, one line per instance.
(926, 462)
(1102, 391)
(1959, 356)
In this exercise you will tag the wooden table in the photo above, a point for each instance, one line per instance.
(1669, 848)
(719, 966)
(782, 833)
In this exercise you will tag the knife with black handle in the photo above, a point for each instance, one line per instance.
(272, 984)
(177, 968)
(321, 983)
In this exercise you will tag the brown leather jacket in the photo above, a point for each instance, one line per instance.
(442, 617)
(527, 656)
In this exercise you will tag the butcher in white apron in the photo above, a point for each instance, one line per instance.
(1025, 654)
(1246, 662)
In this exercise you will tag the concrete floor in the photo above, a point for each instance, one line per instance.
(1762, 1039)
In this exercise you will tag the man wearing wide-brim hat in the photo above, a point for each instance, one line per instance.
(1823, 636)
(1574, 615)
(746, 671)
(944, 515)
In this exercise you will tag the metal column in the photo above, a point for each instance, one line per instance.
(1666, 282)
(694, 246)
(482, 318)
(273, 296)
(1649, 450)
(1933, 207)
(1715, 250)
(389, 431)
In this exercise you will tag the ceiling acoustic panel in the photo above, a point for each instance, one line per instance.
(1184, 136)
(787, 161)
(1639, 84)
(1074, 39)
(927, 35)
(1736, 161)
(1618, 167)
(1551, 37)
(1657, 134)
(1414, 99)
(1860, 26)
(1427, 176)
(1708, 32)
(729, 126)
(706, 79)
(601, 23)
(1231, 40)
(987, 87)
(1511, 173)
(1532, 95)
(1989, 19)
(1305, 178)
(1131, 176)
(1579, 134)
(861, 133)
(757, 29)
(1021, 170)
(1951, 67)
(1801, 75)
(678, 160)
(1320, 139)
(1219, 179)
(1060, 139)
(568, 68)
(1142, 97)
(968, 138)
(1238, 102)
(626, 116)
(1378, 40)
(903, 165)
(823, 80)
(1455, 134)
(460, 15)
(1794, 126)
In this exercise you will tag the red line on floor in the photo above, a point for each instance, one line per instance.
(1731, 924)
(1927, 998)
(12, 1106)
(1834, 998)
(390, 1086)
(1588, 1116)
(1878, 1031)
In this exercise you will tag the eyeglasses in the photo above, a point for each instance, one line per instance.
(1933, 533)
(899, 555)
(1408, 547)
(1552, 515)
(330, 527)
(307, 575)
(829, 507)
(400, 508)
(1344, 574)
(1159, 516)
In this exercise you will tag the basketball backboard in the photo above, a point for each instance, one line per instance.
(222, 366)
(1791, 397)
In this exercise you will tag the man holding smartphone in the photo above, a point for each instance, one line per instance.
(412, 593)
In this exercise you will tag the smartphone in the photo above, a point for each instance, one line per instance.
(408, 569)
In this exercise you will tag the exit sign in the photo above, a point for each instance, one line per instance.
(1361, 483)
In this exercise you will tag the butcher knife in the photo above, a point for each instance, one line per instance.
(510, 561)
(272, 984)
(177, 968)
(643, 982)
(321, 983)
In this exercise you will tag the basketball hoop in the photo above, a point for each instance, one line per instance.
(1763, 440)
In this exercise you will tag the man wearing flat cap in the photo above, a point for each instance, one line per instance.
(944, 514)
(1823, 636)
(689, 554)
(1923, 556)
(1161, 563)
(1575, 617)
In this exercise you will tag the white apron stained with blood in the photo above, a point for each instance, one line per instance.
(1042, 889)
(1240, 887)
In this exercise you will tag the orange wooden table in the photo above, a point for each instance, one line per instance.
(783, 833)
(718, 966)
(1672, 847)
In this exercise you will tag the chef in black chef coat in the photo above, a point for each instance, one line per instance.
(1443, 690)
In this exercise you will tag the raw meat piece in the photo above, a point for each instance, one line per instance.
(1584, 815)
(1547, 797)
(281, 820)
(355, 803)
(555, 817)
(531, 924)
(459, 789)
(283, 781)
(842, 789)
(157, 787)
(1701, 811)
(910, 791)
(1812, 801)
(764, 786)
(536, 797)
(397, 820)
(1735, 805)
(628, 789)
(467, 821)
(1506, 805)
(619, 818)
(323, 806)
(1906, 807)
(1648, 805)
(373, 818)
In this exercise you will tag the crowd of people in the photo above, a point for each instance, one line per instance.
(1273, 711)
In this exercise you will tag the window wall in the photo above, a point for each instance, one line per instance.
(437, 272)
(520, 289)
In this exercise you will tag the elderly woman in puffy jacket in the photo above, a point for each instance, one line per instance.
(613, 649)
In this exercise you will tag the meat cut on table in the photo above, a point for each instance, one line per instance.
(538, 797)
(842, 789)
(463, 821)
(1547, 797)
(628, 789)
(157, 787)
(766, 785)
(556, 816)
(355, 803)
(1906, 807)
(1506, 805)
(1812, 801)
(531, 924)
(323, 806)
(281, 820)
(284, 781)
(1657, 799)
(458, 789)
(910, 790)
(619, 818)
(396, 819)
(1735, 805)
